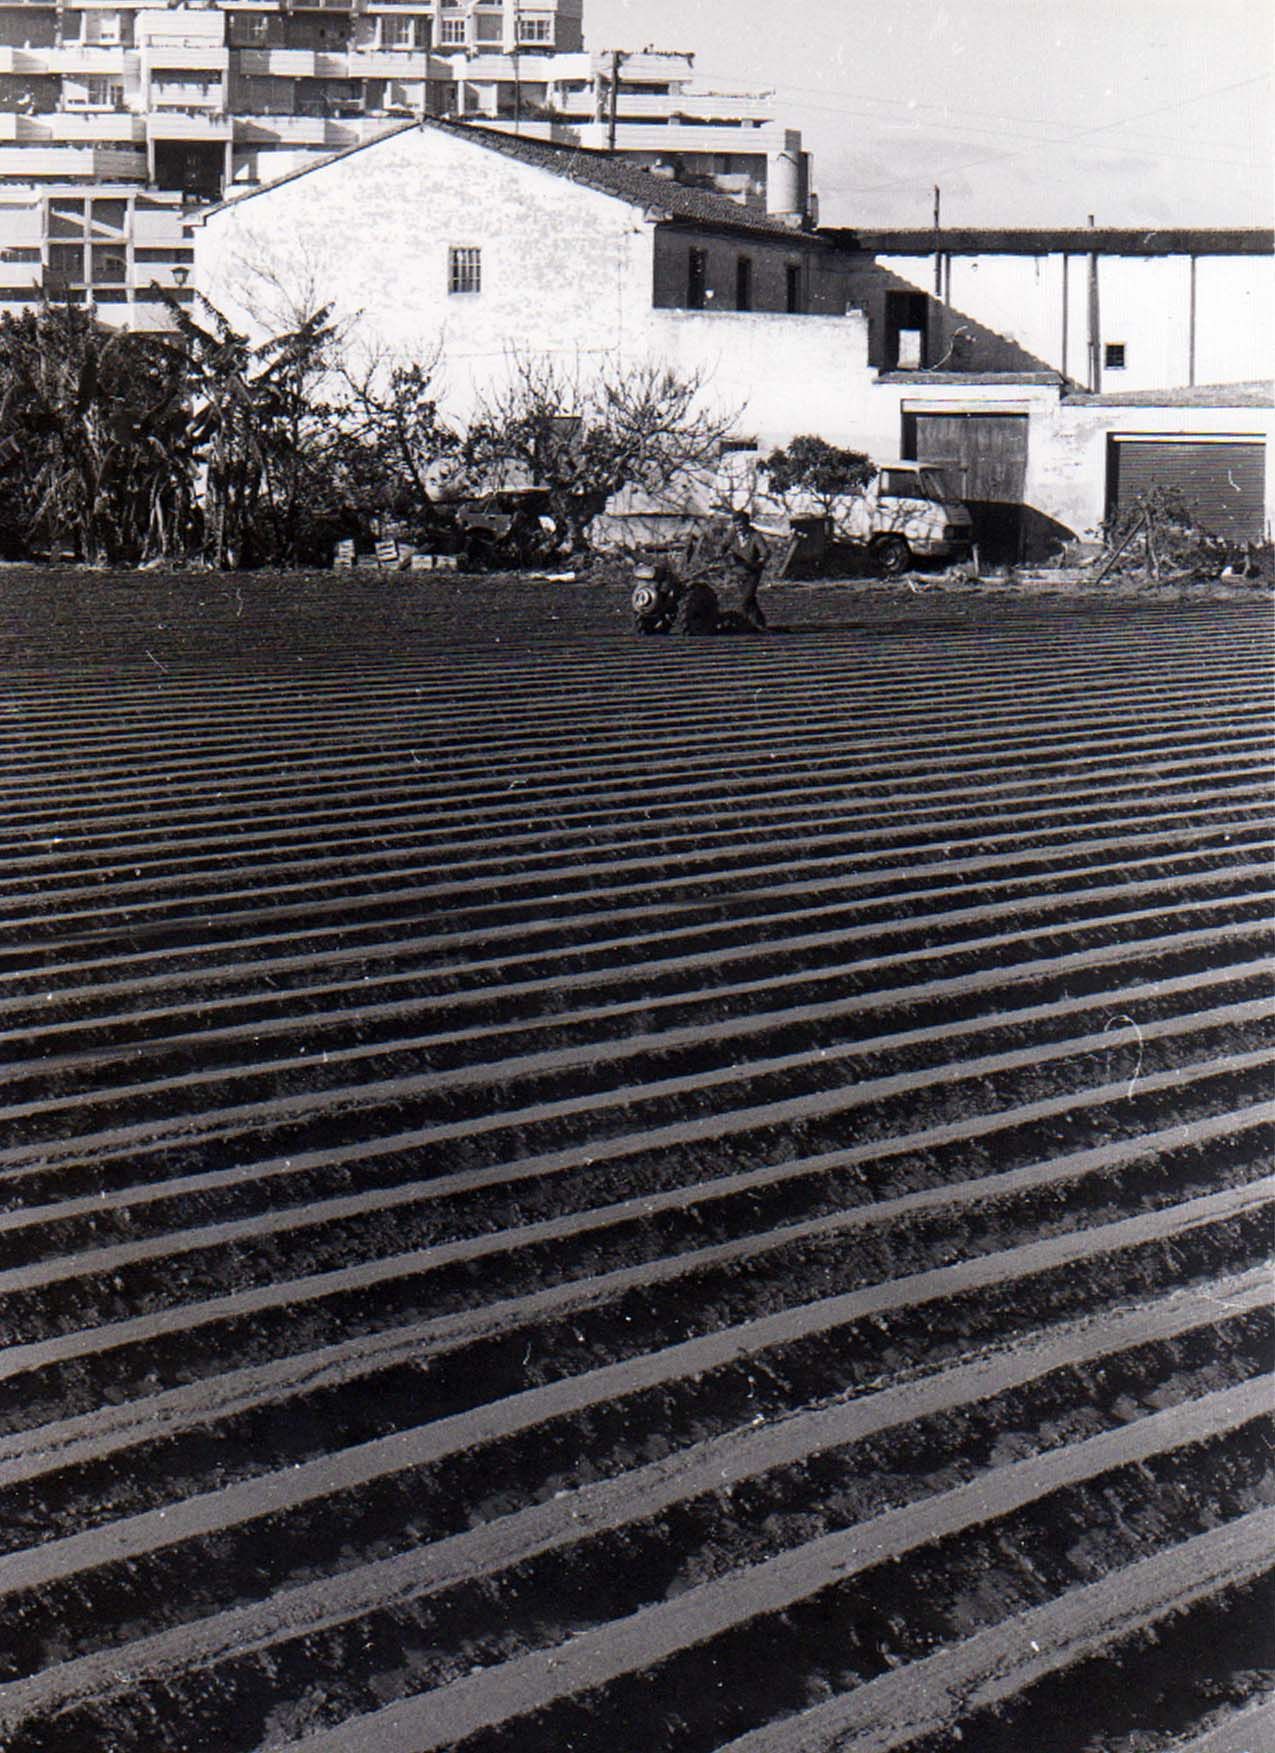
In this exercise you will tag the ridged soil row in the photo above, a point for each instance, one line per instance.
(600, 1233)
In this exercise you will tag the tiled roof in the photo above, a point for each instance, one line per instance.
(608, 173)
(612, 174)
(1257, 394)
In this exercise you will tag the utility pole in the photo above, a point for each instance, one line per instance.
(938, 259)
(517, 72)
(615, 99)
(1095, 321)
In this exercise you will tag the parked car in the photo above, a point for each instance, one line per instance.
(909, 511)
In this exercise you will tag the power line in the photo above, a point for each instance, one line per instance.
(1084, 134)
(911, 105)
(1074, 139)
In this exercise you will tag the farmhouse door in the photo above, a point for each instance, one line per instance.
(985, 457)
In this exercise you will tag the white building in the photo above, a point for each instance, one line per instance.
(1107, 310)
(486, 245)
(115, 115)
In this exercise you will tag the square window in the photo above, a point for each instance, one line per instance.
(102, 27)
(464, 270)
(397, 33)
(1113, 356)
(535, 30)
(105, 93)
(452, 30)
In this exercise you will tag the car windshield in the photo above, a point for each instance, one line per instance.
(926, 483)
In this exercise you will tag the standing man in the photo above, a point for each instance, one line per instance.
(739, 553)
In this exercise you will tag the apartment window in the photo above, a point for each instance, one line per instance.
(66, 261)
(451, 30)
(1113, 356)
(92, 91)
(398, 33)
(102, 27)
(464, 270)
(110, 265)
(249, 30)
(66, 218)
(793, 301)
(744, 283)
(535, 30)
(104, 93)
(111, 212)
(696, 279)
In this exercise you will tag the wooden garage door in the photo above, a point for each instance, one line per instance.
(1222, 482)
(985, 458)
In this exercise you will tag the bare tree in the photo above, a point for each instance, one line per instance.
(587, 439)
(394, 437)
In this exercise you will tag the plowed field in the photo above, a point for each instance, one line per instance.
(561, 1191)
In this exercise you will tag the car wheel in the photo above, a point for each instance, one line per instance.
(892, 556)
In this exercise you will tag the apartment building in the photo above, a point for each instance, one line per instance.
(118, 117)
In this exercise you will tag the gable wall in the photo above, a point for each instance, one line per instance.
(565, 271)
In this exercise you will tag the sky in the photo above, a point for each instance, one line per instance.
(1024, 112)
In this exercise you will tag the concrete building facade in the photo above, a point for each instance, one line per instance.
(117, 106)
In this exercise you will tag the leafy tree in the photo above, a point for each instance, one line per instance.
(95, 456)
(639, 426)
(261, 431)
(809, 468)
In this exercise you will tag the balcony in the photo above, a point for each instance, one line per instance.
(681, 137)
(277, 63)
(187, 125)
(85, 58)
(411, 64)
(85, 128)
(25, 164)
(191, 57)
(325, 133)
(25, 60)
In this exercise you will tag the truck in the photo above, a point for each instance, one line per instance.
(909, 511)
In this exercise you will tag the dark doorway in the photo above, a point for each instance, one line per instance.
(907, 316)
(984, 457)
(793, 288)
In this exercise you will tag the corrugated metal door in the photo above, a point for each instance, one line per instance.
(985, 456)
(1221, 482)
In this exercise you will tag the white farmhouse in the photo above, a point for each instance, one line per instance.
(487, 246)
